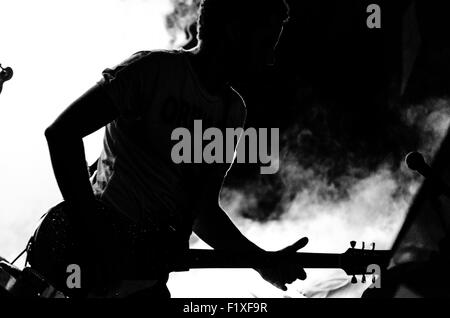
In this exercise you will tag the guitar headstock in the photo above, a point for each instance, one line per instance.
(364, 261)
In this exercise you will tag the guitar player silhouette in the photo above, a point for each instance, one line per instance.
(142, 207)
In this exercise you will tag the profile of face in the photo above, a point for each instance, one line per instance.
(254, 46)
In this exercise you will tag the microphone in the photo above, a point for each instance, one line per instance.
(416, 162)
(5, 75)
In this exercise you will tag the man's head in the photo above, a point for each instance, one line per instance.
(247, 30)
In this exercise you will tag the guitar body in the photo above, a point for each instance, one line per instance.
(53, 247)
(127, 251)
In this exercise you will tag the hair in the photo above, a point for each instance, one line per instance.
(215, 14)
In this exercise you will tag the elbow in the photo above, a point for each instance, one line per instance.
(54, 135)
(57, 135)
(50, 134)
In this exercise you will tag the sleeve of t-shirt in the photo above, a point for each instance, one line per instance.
(130, 83)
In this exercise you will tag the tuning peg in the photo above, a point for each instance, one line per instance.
(373, 246)
(363, 280)
(354, 280)
(353, 244)
(363, 246)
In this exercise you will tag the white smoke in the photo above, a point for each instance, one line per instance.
(372, 211)
(432, 119)
(184, 14)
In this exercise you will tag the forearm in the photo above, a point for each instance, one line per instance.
(215, 228)
(87, 114)
(70, 169)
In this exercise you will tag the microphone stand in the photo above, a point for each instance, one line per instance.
(416, 162)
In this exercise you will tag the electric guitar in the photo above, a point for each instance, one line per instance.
(30, 283)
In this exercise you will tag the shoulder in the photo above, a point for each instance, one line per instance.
(146, 60)
(159, 55)
(168, 59)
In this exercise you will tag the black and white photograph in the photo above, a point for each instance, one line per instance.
(224, 154)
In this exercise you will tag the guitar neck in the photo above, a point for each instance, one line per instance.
(197, 259)
(352, 262)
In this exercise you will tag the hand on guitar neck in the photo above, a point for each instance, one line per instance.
(281, 273)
